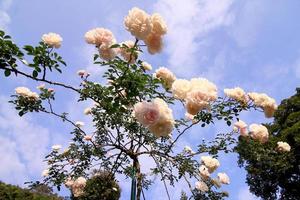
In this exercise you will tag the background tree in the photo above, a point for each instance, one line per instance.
(12, 192)
(102, 185)
(273, 174)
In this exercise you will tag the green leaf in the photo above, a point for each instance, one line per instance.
(2, 33)
(114, 46)
(35, 73)
(7, 72)
(228, 123)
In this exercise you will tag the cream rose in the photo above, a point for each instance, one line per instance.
(154, 43)
(138, 23)
(283, 146)
(211, 163)
(166, 76)
(201, 186)
(180, 88)
(52, 40)
(100, 36)
(237, 94)
(242, 127)
(259, 133)
(159, 25)
(223, 178)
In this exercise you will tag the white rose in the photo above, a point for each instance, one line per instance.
(223, 178)
(107, 53)
(283, 147)
(204, 172)
(126, 53)
(52, 40)
(45, 173)
(79, 124)
(180, 88)
(154, 43)
(87, 111)
(138, 23)
(201, 186)
(56, 147)
(237, 94)
(159, 25)
(100, 36)
(166, 76)
(259, 133)
(146, 66)
(211, 163)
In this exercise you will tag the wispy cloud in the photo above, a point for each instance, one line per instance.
(244, 194)
(189, 22)
(4, 16)
(23, 145)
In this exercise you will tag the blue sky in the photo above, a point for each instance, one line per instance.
(253, 44)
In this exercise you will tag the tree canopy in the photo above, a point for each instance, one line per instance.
(273, 174)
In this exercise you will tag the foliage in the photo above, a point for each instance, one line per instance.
(272, 174)
(102, 185)
(11, 192)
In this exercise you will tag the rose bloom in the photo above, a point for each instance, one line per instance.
(52, 40)
(154, 43)
(162, 128)
(79, 124)
(69, 182)
(262, 100)
(100, 36)
(107, 53)
(259, 133)
(166, 76)
(223, 178)
(180, 88)
(41, 86)
(146, 113)
(204, 172)
(87, 137)
(138, 23)
(188, 150)
(56, 147)
(78, 186)
(25, 92)
(82, 73)
(211, 163)
(87, 111)
(242, 127)
(188, 116)
(125, 52)
(201, 186)
(205, 85)
(237, 94)
(156, 116)
(283, 146)
(159, 25)
(197, 100)
(146, 66)
(165, 111)
(45, 173)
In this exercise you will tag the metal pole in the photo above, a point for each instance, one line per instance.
(133, 185)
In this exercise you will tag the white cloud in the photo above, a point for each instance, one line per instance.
(189, 22)
(4, 16)
(246, 25)
(297, 68)
(244, 194)
(23, 145)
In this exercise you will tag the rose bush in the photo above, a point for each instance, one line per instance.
(132, 115)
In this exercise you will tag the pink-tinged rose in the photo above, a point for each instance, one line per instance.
(147, 113)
